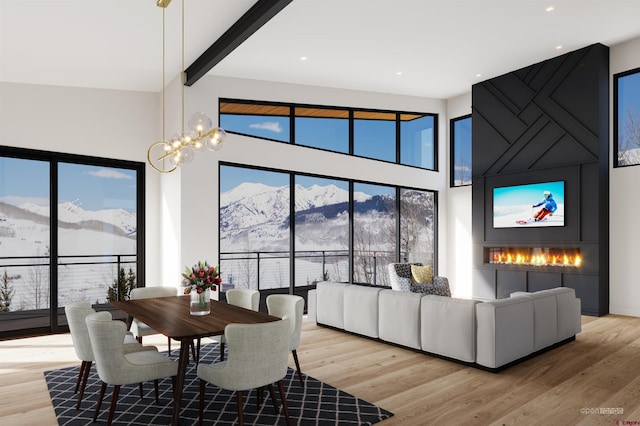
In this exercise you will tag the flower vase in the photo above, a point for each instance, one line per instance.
(200, 302)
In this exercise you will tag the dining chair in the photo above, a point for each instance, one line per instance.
(258, 355)
(243, 297)
(76, 314)
(292, 306)
(117, 368)
(140, 329)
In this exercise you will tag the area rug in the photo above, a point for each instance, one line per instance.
(316, 403)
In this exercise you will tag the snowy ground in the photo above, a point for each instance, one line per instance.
(526, 213)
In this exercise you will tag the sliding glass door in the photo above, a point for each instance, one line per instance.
(24, 244)
(70, 230)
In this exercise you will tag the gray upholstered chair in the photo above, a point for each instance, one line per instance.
(401, 280)
(76, 314)
(140, 329)
(243, 297)
(258, 356)
(117, 368)
(289, 306)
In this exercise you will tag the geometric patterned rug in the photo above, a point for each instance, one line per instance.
(316, 404)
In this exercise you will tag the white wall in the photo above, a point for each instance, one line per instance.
(459, 215)
(624, 205)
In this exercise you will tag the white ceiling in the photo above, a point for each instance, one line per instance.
(438, 47)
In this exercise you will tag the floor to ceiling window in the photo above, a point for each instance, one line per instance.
(284, 232)
(68, 226)
(627, 118)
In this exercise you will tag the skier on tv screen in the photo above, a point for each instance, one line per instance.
(549, 206)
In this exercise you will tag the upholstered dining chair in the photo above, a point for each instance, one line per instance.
(258, 355)
(243, 297)
(292, 306)
(76, 314)
(117, 368)
(140, 329)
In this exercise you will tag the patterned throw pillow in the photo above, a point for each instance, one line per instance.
(422, 274)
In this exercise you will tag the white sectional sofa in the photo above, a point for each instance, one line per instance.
(488, 334)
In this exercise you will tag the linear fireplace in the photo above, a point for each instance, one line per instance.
(534, 256)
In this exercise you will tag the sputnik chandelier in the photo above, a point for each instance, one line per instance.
(166, 156)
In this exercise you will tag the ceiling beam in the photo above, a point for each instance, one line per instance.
(259, 14)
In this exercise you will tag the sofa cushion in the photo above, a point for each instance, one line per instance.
(569, 312)
(399, 318)
(545, 318)
(361, 310)
(505, 331)
(330, 303)
(422, 274)
(448, 327)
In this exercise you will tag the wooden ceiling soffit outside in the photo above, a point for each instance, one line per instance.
(240, 108)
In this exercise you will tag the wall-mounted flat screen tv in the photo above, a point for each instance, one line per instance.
(530, 205)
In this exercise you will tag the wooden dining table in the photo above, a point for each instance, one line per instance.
(170, 316)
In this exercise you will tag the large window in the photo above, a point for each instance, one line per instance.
(627, 118)
(461, 151)
(341, 230)
(69, 229)
(417, 141)
(396, 137)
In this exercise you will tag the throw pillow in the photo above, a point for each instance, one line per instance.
(422, 274)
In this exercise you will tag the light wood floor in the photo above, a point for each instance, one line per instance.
(561, 387)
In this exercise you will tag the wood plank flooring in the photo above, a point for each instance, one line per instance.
(561, 387)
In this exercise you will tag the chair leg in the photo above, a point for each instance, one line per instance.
(197, 354)
(141, 393)
(169, 346)
(276, 409)
(139, 339)
(239, 404)
(85, 376)
(202, 388)
(295, 359)
(221, 351)
(114, 401)
(194, 354)
(155, 385)
(283, 397)
(99, 401)
(80, 372)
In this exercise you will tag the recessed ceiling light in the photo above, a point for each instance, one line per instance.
(478, 75)
(399, 73)
(303, 58)
(558, 47)
(550, 9)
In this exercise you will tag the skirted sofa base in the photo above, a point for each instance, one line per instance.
(492, 335)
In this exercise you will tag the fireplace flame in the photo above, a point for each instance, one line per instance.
(536, 257)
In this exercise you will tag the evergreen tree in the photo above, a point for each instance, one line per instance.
(6, 292)
(122, 286)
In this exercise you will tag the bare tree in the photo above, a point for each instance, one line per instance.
(39, 277)
(629, 140)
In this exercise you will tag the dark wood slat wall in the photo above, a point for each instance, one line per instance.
(546, 122)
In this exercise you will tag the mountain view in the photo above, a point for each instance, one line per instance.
(24, 232)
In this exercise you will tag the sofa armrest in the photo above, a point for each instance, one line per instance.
(312, 305)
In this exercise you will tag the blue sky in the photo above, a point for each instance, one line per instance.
(628, 96)
(527, 194)
(90, 187)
